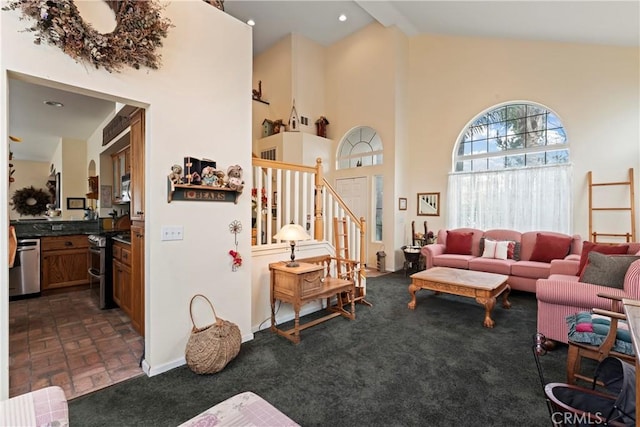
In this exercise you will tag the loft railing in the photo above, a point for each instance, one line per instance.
(284, 192)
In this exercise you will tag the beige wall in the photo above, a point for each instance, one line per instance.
(593, 89)
(73, 175)
(420, 92)
(27, 174)
(274, 69)
(363, 87)
(197, 105)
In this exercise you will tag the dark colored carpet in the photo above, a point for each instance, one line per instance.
(435, 366)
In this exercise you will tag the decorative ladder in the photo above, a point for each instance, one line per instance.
(629, 236)
(344, 270)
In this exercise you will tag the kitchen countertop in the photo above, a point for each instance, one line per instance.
(34, 228)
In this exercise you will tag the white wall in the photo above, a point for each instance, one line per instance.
(197, 105)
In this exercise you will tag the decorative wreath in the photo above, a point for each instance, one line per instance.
(30, 201)
(139, 31)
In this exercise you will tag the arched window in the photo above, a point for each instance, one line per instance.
(360, 147)
(511, 170)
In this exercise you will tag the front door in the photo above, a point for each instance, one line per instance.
(354, 193)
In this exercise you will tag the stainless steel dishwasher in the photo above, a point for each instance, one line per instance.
(24, 276)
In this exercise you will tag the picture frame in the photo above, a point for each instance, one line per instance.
(402, 203)
(76, 203)
(428, 204)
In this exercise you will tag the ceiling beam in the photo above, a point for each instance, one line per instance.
(387, 15)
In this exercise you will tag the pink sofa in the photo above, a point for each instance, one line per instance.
(561, 294)
(523, 273)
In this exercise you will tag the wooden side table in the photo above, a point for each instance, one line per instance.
(303, 284)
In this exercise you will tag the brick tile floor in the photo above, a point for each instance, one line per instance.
(66, 340)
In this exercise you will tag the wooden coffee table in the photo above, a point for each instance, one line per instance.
(484, 287)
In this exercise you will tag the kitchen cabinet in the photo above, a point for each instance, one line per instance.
(136, 210)
(137, 276)
(121, 167)
(122, 293)
(64, 261)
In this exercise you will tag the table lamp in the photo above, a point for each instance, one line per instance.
(292, 232)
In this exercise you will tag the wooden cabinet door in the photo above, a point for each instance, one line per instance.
(137, 276)
(122, 286)
(63, 268)
(117, 282)
(136, 211)
(64, 261)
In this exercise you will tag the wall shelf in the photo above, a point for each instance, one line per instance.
(200, 193)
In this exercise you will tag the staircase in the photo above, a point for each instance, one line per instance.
(283, 193)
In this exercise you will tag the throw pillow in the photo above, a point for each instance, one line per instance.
(601, 248)
(498, 249)
(513, 251)
(607, 270)
(459, 243)
(549, 247)
(589, 328)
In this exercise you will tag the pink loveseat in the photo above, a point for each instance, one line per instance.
(523, 273)
(562, 294)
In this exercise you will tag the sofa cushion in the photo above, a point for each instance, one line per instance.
(549, 247)
(531, 269)
(452, 260)
(491, 265)
(607, 270)
(586, 327)
(601, 248)
(459, 242)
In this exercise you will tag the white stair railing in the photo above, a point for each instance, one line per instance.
(284, 192)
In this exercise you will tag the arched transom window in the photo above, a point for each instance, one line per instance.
(511, 170)
(362, 146)
(512, 136)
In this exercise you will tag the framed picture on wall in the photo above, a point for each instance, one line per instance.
(76, 203)
(402, 203)
(429, 204)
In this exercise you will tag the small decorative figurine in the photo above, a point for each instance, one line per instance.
(321, 126)
(209, 176)
(235, 181)
(257, 94)
(176, 174)
(294, 120)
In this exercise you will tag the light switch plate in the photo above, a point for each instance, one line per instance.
(172, 232)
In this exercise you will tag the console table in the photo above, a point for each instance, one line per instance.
(303, 284)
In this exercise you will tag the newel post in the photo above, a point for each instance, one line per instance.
(319, 223)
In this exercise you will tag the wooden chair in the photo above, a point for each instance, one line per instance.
(579, 350)
(339, 268)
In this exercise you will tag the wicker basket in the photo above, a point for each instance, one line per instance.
(211, 347)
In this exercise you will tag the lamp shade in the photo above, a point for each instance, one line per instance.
(292, 232)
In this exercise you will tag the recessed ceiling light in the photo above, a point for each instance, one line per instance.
(251, 22)
(342, 18)
(54, 103)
